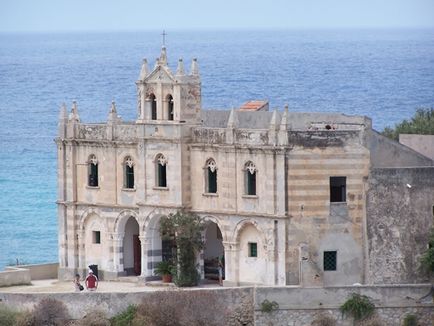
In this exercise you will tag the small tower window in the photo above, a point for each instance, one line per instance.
(161, 164)
(250, 179)
(211, 177)
(338, 189)
(170, 107)
(153, 107)
(128, 173)
(92, 171)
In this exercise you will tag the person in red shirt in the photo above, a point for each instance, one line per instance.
(91, 281)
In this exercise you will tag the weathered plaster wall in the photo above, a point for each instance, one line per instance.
(316, 224)
(423, 144)
(389, 153)
(400, 214)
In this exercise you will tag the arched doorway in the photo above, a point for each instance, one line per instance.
(131, 248)
(213, 251)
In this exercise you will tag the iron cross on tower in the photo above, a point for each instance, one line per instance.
(164, 37)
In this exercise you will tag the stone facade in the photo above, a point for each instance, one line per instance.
(263, 181)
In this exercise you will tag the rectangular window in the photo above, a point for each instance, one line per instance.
(253, 249)
(96, 237)
(129, 177)
(250, 183)
(93, 175)
(212, 181)
(161, 175)
(329, 260)
(338, 189)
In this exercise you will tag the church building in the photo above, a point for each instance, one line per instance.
(289, 198)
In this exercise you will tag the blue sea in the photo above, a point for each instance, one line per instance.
(384, 74)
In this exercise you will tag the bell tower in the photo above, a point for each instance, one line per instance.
(164, 96)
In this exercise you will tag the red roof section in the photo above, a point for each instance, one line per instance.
(255, 105)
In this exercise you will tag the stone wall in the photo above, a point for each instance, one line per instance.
(399, 217)
(297, 306)
(14, 276)
(301, 306)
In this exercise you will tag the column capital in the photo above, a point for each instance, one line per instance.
(117, 236)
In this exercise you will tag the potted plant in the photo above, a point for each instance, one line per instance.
(165, 270)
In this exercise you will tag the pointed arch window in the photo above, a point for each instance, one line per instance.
(211, 177)
(128, 173)
(153, 106)
(160, 170)
(250, 179)
(92, 168)
(170, 113)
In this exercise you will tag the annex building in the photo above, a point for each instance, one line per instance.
(310, 199)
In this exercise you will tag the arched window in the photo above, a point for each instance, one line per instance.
(250, 178)
(153, 107)
(128, 173)
(170, 107)
(160, 169)
(92, 171)
(211, 177)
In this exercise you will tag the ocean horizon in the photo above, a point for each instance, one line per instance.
(385, 74)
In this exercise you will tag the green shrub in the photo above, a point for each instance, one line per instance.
(427, 259)
(124, 318)
(358, 306)
(191, 308)
(185, 231)
(422, 123)
(410, 320)
(50, 312)
(324, 320)
(8, 316)
(267, 306)
(25, 319)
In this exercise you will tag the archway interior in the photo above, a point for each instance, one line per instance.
(131, 246)
(213, 251)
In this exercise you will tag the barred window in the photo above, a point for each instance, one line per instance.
(329, 260)
(253, 249)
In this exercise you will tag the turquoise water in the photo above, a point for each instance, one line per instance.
(384, 74)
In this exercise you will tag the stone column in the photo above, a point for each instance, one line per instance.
(118, 259)
(142, 103)
(147, 108)
(81, 250)
(165, 107)
(281, 252)
(144, 245)
(231, 263)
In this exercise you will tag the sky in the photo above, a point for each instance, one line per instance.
(121, 15)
